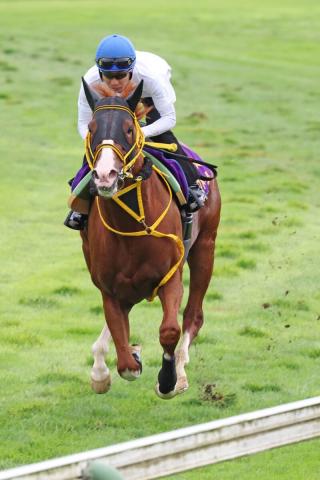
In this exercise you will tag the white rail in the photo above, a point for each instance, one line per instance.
(180, 450)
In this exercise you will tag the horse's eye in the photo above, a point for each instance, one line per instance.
(92, 127)
(130, 130)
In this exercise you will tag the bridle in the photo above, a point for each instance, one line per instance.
(136, 148)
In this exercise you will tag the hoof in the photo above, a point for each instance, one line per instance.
(101, 386)
(130, 375)
(165, 396)
(181, 385)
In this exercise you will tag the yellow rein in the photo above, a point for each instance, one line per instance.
(148, 230)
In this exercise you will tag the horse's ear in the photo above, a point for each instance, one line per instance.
(91, 96)
(134, 98)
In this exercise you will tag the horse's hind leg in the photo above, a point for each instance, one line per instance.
(100, 374)
(200, 260)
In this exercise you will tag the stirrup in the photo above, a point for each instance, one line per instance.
(76, 220)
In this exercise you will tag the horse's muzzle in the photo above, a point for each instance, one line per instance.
(108, 192)
(102, 184)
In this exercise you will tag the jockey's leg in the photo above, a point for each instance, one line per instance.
(197, 196)
(76, 220)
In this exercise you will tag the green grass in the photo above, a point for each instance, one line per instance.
(286, 463)
(246, 76)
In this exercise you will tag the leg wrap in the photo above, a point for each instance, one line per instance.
(167, 376)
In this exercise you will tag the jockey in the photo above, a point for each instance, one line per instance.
(117, 63)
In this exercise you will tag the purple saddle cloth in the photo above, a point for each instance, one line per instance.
(177, 171)
(203, 170)
(80, 174)
(173, 166)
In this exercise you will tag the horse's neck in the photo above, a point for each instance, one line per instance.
(155, 197)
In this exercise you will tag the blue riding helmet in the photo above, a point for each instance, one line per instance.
(115, 53)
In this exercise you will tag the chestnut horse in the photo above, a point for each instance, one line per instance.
(135, 258)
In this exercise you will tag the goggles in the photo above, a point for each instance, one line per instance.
(108, 63)
(117, 75)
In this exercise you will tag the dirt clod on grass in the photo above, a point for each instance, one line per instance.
(211, 394)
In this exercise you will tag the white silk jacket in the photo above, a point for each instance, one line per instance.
(155, 73)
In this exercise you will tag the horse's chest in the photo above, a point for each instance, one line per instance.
(131, 283)
(127, 285)
(130, 269)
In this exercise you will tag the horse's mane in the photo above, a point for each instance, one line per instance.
(102, 89)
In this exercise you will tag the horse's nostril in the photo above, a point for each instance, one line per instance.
(113, 174)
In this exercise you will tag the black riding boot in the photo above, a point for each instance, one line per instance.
(196, 199)
(76, 220)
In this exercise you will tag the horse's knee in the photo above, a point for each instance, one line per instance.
(169, 336)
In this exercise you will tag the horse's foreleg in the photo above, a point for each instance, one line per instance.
(128, 365)
(100, 374)
(170, 296)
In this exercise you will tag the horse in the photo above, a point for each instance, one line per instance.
(137, 256)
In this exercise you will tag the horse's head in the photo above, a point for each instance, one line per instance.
(114, 141)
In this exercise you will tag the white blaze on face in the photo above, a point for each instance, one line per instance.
(107, 167)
